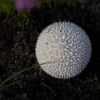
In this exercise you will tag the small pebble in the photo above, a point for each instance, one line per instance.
(24, 95)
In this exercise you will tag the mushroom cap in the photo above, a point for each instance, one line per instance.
(65, 49)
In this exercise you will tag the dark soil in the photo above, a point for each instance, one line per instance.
(17, 51)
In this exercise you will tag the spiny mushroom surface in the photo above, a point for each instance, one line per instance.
(65, 48)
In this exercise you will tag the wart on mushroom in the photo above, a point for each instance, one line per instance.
(67, 46)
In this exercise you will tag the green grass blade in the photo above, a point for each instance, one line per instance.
(19, 72)
(8, 85)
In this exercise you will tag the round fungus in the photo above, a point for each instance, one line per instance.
(65, 49)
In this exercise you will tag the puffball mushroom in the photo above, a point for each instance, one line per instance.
(65, 48)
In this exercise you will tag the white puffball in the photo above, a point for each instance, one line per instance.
(65, 48)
